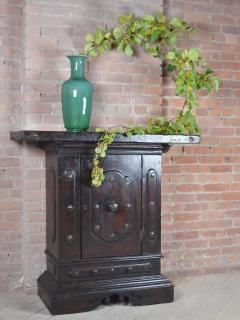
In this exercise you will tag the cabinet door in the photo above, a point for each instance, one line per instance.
(111, 219)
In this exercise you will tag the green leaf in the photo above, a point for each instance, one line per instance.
(88, 47)
(137, 40)
(92, 53)
(208, 71)
(176, 22)
(138, 24)
(102, 154)
(161, 18)
(128, 134)
(146, 46)
(153, 51)
(130, 17)
(170, 55)
(128, 50)
(194, 54)
(148, 18)
(89, 37)
(108, 35)
(101, 50)
(216, 83)
(171, 67)
(117, 33)
(98, 150)
(100, 130)
(172, 40)
(154, 36)
(122, 20)
(187, 65)
(120, 47)
(99, 36)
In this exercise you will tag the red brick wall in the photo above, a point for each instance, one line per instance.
(10, 154)
(201, 184)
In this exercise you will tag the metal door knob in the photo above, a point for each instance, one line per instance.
(112, 206)
(69, 175)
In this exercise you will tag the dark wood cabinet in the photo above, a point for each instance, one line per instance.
(103, 244)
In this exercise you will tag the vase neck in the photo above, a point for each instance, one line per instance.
(77, 66)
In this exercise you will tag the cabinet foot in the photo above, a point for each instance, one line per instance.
(86, 296)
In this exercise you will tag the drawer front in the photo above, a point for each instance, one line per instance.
(121, 270)
(111, 213)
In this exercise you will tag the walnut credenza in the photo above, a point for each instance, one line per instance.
(103, 244)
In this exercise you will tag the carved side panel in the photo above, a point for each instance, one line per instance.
(151, 204)
(52, 190)
(69, 207)
(51, 203)
(112, 212)
(69, 201)
(151, 227)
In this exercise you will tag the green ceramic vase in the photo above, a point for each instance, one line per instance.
(77, 97)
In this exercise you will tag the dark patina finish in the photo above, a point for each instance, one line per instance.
(103, 244)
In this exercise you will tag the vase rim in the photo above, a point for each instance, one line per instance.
(76, 55)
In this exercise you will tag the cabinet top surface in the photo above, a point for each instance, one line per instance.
(93, 137)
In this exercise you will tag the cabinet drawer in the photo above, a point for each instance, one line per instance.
(127, 269)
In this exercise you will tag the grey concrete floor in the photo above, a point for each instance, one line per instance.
(209, 297)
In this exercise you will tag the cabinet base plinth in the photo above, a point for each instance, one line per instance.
(86, 296)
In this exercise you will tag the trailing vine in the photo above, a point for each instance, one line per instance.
(158, 37)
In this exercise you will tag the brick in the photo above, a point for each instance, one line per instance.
(186, 235)
(109, 109)
(114, 98)
(10, 205)
(6, 184)
(184, 160)
(185, 217)
(9, 226)
(189, 188)
(110, 88)
(117, 77)
(140, 109)
(230, 196)
(220, 168)
(149, 79)
(208, 197)
(141, 89)
(51, 32)
(34, 195)
(149, 100)
(11, 11)
(232, 29)
(222, 20)
(38, 108)
(211, 159)
(155, 90)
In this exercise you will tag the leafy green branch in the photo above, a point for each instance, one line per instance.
(190, 75)
(185, 123)
(150, 32)
(158, 37)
